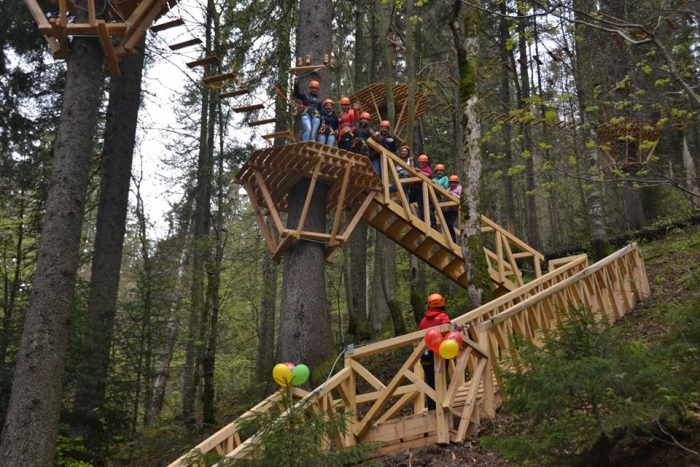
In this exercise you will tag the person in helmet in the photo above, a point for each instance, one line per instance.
(347, 119)
(451, 213)
(386, 140)
(329, 124)
(361, 134)
(416, 195)
(440, 178)
(434, 316)
(311, 104)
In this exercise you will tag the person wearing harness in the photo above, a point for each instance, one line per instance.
(362, 133)
(311, 103)
(349, 116)
(386, 140)
(451, 213)
(329, 124)
(416, 195)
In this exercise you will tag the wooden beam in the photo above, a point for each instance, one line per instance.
(237, 92)
(217, 78)
(279, 134)
(210, 60)
(301, 69)
(167, 25)
(183, 44)
(249, 108)
(260, 122)
(107, 49)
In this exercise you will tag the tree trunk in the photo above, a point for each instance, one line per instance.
(509, 196)
(691, 175)
(31, 426)
(266, 318)
(118, 152)
(465, 27)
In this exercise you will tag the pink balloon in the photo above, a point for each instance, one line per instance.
(290, 365)
(456, 336)
(433, 339)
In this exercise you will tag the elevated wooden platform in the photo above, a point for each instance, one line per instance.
(119, 28)
(629, 143)
(391, 410)
(270, 173)
(372, 99)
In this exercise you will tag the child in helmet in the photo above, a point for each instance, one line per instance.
(311, 116)
(451, 213)
(346, 121)
(329, 124)
(416, 195)
(386, 140)
(434, 316)
(362, 133)
(440, 178)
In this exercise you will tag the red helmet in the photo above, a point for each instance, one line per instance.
(423, 158)
(385, 123)
(440, 167)
(366, 115)
(314, 85)
(435, 300)
(344, 101)
(454, 178)
(328, 101)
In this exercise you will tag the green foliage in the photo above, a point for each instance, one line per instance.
(586, 390)
(301, 438)
(66, 448)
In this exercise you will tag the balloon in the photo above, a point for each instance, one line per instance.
(454, 335)
(449, 349)
(290, 365)
(433, 339)
(282, 374)
(300, 374)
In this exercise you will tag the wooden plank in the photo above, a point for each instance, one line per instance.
(184, 44)
(210, 60)
(37, 13)
(301, 69)
(167, 25)
(237, 92)
(279, 134)
(407, 427)
(141, 26)
(107, 50)
(218, 78)
(249, 108)
(255, 122)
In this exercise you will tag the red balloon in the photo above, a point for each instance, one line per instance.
(433, 339)
(456, 336)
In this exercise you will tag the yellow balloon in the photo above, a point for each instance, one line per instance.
(449, 348)
(282, 374)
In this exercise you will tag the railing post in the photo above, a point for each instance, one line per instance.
(442, 414)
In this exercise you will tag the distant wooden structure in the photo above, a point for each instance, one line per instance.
(118, 28)
(629, 144)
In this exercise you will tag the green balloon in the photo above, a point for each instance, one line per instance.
(300, 374)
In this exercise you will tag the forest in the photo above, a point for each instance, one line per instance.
(123, 337)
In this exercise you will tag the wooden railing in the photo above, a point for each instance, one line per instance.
(393, 412)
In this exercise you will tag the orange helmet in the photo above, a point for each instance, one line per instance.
(454, 178)
(366, 115)
(423, 158)
(385, 123)
(314, 85)
(435, 300)
(328, 101)
(344, 101)
(440, 167)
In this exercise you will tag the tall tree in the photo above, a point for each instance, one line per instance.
(465, 28)
(29, 433)
(305, 329)
(117, 155)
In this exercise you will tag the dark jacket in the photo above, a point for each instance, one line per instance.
(312, 103)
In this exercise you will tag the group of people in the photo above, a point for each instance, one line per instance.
(350, 130)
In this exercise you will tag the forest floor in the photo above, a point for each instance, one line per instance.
(673, 266)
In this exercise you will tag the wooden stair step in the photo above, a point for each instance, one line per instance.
(249, 108)
(410, 238)
(394, 231)
(187, 43)
(279, 134)
(210, 60)
(439, 257)
(261, 122)
(167, 25)
(381, 219)
(237, 92)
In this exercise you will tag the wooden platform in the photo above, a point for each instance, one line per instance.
(118, 29)
(372, 99)
(270, 173)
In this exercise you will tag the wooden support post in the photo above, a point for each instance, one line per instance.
(106, 44)
(307, 202)
(341, 203)
(91, 13)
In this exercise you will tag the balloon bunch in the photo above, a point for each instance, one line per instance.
(448, 346)
(289, 373)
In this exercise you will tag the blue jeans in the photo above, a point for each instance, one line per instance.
(329, 140)
(310, 125)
